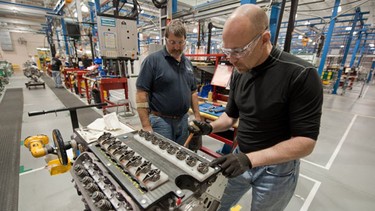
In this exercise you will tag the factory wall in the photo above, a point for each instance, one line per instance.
(21, 49)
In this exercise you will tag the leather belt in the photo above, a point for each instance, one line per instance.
(165, 116)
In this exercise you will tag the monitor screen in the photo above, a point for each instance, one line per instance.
(73, 30)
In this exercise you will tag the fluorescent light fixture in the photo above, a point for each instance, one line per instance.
(195, 30)
(307, 23)
(348, 28)
(157, 37)
(371, 45)
(84, 8)
(341, 46)
(338, 9)
(43, 49)
(300, 37)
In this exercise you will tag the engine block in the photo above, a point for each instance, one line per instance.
(145, 171)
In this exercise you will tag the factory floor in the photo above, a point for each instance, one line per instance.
(338, 175)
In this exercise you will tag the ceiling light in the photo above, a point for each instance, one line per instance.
(84, 8)
(338, 9)
(371, 45)
(300, 37)
(348, 28)
(195, 30)
(341, 46)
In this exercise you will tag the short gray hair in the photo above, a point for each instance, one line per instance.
(177, 28)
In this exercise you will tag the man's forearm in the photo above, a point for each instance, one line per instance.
(292, 149)
(223, 123)
(143, 109)
(144, 118)
(195, 106)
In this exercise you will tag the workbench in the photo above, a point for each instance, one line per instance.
(67, 80)
(104, 85)
(78, 75)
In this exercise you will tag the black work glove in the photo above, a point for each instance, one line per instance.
(200, 128)
(232, 165)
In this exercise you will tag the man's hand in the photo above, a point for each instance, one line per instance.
(232, 165)
(200, 128)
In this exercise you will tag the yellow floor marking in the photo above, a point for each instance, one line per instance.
(236, 208)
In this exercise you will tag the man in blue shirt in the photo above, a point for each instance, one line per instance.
(166, 88)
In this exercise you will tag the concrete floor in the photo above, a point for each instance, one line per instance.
(336, 176)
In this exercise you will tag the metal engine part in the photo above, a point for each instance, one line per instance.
(145, 171)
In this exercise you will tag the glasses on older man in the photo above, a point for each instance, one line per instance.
(172, 42)
(241, 52)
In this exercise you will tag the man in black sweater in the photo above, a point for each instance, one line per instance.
(277, 98)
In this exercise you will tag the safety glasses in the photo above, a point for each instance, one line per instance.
(172, 42)
(241, 52)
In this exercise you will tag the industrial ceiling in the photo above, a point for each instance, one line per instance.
(30, 15)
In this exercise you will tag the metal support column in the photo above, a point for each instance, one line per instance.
(363, 48)
(248, 2)
(63, 28)
(93, 30)
(277, 11)
(58, 31)
(355, 50)
(347, 47)
(174, 6)
(97, 6)
(371, 72)
(359, 39)
(49, 34)
(328, 37)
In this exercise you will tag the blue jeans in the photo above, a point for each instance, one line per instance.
(272, 187)
(57, 78)
(173, 129)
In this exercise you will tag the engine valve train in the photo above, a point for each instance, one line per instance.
(136, 171)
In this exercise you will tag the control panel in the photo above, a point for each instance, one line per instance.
(118, 38)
